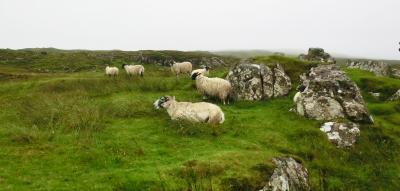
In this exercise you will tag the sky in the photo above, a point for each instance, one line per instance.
(361, 28)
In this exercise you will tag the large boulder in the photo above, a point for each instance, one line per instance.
(343, 135)
(329, 94)
(317, 55)
(288, 175)
(378, 68)
(257, 82)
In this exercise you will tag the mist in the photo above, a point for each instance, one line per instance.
(359, 28)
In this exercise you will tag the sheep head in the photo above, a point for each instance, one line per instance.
(123, 65)
(194, 75)
(163, 102)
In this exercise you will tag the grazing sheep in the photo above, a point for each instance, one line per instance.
(204, 71)
(214, 87)
(181, 68)
(112, 71)
(133, 70)
(196, 112)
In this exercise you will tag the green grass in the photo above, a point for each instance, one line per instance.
(85, 131)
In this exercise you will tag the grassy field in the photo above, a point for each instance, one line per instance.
(86, 131)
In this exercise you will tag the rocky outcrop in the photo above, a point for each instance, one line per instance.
(343, 135)
(328, 94)
(317, 55)
(378, 68)
(395, 96)
(288, 175)
(395, 72)
(257, 82)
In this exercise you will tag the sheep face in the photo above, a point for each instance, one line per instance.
(123, 65)
(163, 102)
(207, 68)
(194, 75)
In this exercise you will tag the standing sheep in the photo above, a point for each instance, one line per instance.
(112, 71)
(181, 68)
(214, 87)
(196, 112)
(204, 71)
(133, 70)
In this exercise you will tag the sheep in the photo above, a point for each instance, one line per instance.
(204, 71)
(132, 70)
(196, 112)
(214, 87)
(181, 68)
(112, 71)
(297, 96)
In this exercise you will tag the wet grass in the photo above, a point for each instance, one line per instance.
(85, 131)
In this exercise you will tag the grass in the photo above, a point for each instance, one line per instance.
(85, 131)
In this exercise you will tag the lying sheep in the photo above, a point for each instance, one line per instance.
(181, 68)
(133, 70)
(112, 71)
(214, 87)
(204, 71)
(196, 112)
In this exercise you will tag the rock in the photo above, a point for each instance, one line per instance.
(317, 55)
(257, 82)
(395, 96)
(329, 95)
(341, 134)
(378, 68)
(288, 175)
(395, 72)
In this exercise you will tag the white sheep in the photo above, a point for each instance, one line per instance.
(181, 68)
(214, 87)
(204, 71)
(133, 70)
(112, 71)
(298, 94)
(196, 112)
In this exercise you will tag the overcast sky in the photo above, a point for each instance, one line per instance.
(366, 28)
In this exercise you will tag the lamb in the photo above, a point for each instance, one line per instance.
(133, 70)
(181, 68)
(204, 71)
(196, 112)
(112, 71)
(214, 87)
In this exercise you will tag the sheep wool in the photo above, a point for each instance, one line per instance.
(133, 70)
(196, 112)
(181, 68)
(214, 87)
(112, 71)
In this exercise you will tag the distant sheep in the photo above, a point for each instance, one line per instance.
(112, 71)
(214, 87)
(133, 70)
(204, 71)
(181, 68)
(196, 112)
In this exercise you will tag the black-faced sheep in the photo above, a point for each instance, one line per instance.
(196, 112)
(204, 71)
(214, 87)
(133, 70)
